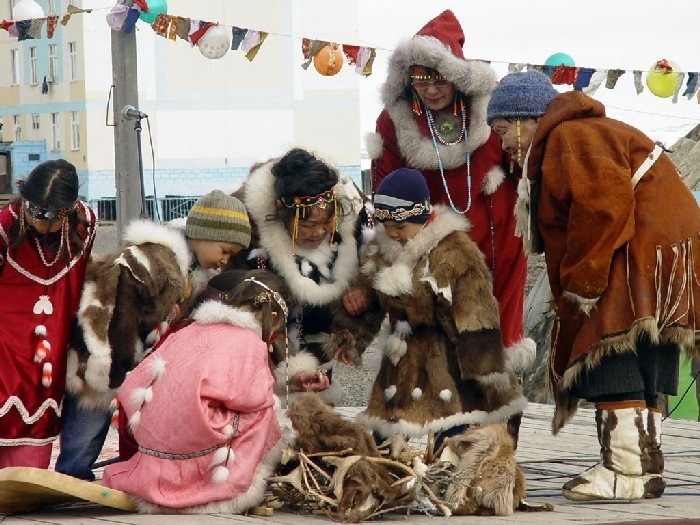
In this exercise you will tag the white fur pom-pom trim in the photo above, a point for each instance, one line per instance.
(227, 430)
(47, 375)
(157, 366)
(220, 457)
(306, 268)
(40, 330)
(446, 395)
(390, 392)
(135, 419)
(219, 475)
(276, 403)
(138, 396)
(417, 394)
(148, 395)
(395, 349)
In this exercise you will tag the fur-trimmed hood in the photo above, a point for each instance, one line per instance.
(276, 242)
(396, 278)
(473, 78)
(214, 312)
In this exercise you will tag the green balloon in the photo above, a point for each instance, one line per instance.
(155, 7)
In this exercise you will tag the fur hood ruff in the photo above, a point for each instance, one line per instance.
(214, 312)
(276, 242)
(396, 279)
(142, 231)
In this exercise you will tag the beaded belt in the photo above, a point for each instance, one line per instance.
(189, 455)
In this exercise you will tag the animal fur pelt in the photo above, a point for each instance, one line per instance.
(485, 478)
(127, 294)
(320, 429)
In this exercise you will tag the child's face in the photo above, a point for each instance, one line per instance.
(40, 226)
(213, 254)
(313, 229)
(402, 231)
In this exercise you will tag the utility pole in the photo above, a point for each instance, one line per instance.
(125, 83)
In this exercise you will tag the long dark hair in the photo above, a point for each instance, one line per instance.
(52, 185)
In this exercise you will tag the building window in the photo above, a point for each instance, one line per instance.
(75, 130)
(55, 132)
(16, 128)
(53, 62)
(51, 7)
(33, 75)
(14, 60)
(73, 54)
(35, 121)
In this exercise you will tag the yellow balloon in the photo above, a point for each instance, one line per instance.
(661, 80)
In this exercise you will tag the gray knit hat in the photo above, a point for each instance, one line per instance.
(523, 94)
(218, 217)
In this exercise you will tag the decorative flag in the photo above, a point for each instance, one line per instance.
(638, 86)
(35, 27)
(564, 74)
(183, 27)
(237, 36)
(692, 85)
(131, 18)
(679, 85)
(583, 78)
(197, 30)
(161, 24)
(612, 77)
(596, 81)
(252, 43)
(23, 27)
(72, 10)
(309, 49)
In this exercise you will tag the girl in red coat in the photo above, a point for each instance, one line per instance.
(46, 236)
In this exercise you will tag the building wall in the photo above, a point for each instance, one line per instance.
(209, 120)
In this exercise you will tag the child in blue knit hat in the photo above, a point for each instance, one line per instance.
(444, 366)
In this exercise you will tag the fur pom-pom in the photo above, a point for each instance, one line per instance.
(306, 268)
(395, 349)
(138, 396)
(446, 395)
(227, 430)
(135, 419)
(219, 475)
(40, 330)
(221, 456)
(157, 366)
(417, 394)
(47, 375)
(390, 392)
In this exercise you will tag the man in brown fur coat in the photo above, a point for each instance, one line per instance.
(618, 228)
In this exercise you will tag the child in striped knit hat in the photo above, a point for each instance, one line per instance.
(130, 299)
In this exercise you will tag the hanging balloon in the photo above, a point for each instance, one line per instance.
(559, 59)
(26, 10)
(329, 60)
(215, 42)
(662, 78)
(155, 7)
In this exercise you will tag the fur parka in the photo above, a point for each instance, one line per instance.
(444, 361)
(127, 294)
(317, 279)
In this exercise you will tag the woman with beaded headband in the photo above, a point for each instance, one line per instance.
(306, 221)
(46, 235)
(214, 375)
(434, 120)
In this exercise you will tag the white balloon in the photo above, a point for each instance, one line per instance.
(27, 9)
(215, 42)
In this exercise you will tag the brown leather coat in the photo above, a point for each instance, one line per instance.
(629, 255)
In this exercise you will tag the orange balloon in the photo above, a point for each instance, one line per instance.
(329, 60)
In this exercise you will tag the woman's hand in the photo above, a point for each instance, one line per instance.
(316, 381)
(355, 301)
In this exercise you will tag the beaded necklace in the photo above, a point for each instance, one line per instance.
(434, 130)
(433, 133)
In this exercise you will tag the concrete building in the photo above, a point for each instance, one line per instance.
(209, 120)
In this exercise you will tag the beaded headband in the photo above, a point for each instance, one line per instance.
(268, 295)
(38, 213)
(400, 214)
(299, 202)
(321, 200)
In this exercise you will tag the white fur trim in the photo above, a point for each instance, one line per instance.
(500, 381)
(390, 392)
(227, 430)
(521, 355)
(214, 312)
(446, 395)
(135, 419)
(237, 505)
(585, 305)
(494, 177)
(417, 393)
(219, 474)
(445, 292)
(394, 280)
(395, 349)
(306, 268)
(142, 231)
(374, 145)
(276, 241)
(300, 362)
(413, 430)
(221, 456)
(40, 330)
(74, 384)
(157, 366)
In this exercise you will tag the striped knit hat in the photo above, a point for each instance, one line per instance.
(218, 217)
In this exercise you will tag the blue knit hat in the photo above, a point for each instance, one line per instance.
(402, 195)
(524, 94)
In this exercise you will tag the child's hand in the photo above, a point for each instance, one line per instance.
(311, 381)
(355, 301)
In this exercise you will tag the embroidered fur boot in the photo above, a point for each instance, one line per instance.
(655, 466)
(622, 473)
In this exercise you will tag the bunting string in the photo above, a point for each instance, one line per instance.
(215, 39)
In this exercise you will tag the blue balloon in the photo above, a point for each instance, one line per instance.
(559, 59)
(155, 7)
